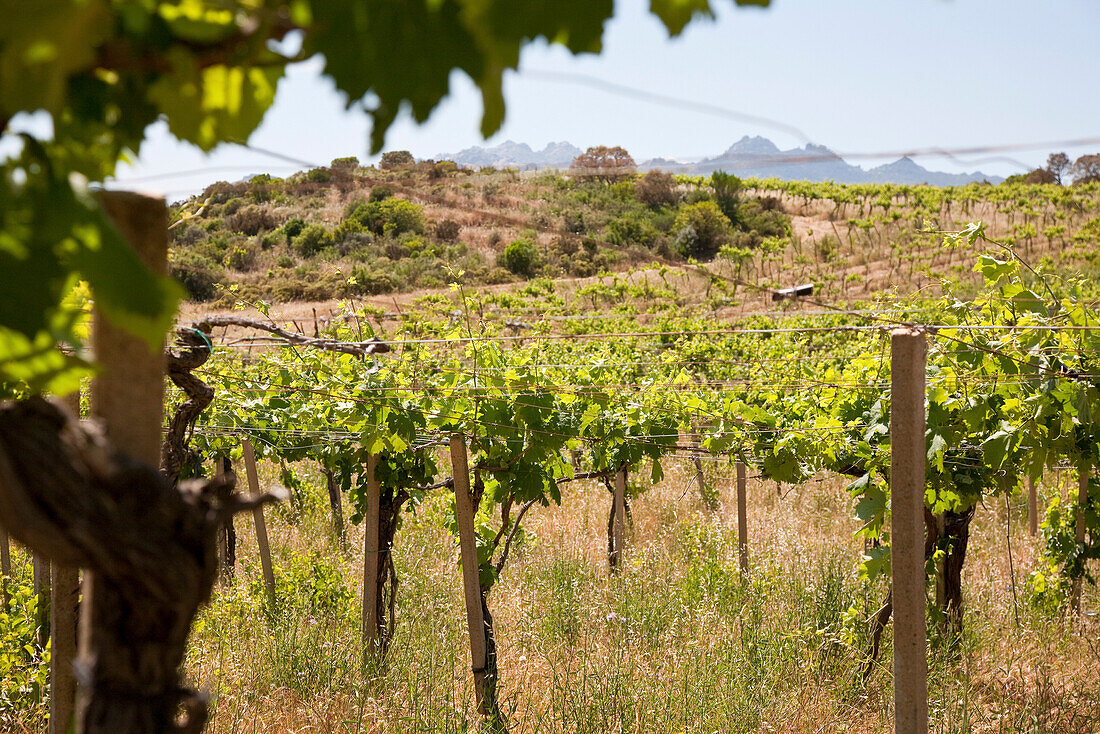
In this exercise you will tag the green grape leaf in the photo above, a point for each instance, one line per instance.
(42, 43)
(215, 104)
(678, 13)
(876, 563)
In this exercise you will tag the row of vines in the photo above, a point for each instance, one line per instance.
(1012, 393)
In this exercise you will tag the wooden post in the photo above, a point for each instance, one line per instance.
(908, 352)
(258, 518)
(471, 581)
(941, 567)
(618, 532)
(41, 583)
(1032, 507)
(228, 534)
(64, 606)
(371, 556)
(742, 520)
(5, 564)
(128, 393)
(1079, 529)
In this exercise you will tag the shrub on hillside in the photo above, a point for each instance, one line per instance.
(222, 191)
(701, 229)
(390, 217)
(198, 275)
(447, 230)
(368, 280)
(348, 163)
(380, 193)
(442, 169)
(656, 189)
(186, 235)
(242, 256)
(521, 257)
(727, 193)
(251, 220)
(292, 228)
(318, 175)
(311, 240)
(754, 216)
(396, 159)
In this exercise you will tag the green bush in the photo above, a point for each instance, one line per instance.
(380, 193)
(232, 205)
(350, 162)
(396, 159)
(390, 217)
(701, 229)
(271, 239)
(293, 227)
(318, 175)
(242, 256)
(311, 240)
(521, 257)
(347, 228)
(198, 275)
(752, 216)
(369, 281)
(24, 666)
(631, 231)
(727, 193)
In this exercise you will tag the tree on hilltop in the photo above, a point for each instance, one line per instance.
(1057, 165)
(604, 164)
(1086, 169)
(396, 159)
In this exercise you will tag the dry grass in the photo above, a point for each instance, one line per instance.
(677, 642)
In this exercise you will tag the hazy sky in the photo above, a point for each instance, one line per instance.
(855, 75)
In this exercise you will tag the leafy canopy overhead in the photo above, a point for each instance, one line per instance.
(104, 70)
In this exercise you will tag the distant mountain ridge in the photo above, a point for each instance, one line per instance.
(749, 157)
(511, 154)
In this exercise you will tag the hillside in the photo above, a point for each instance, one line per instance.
(353, 231)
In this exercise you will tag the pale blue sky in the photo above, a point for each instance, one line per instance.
(855, 75)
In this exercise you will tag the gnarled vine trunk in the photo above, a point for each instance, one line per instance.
(386, 581)
(67, 494)
(194, 348)
(956, 526)
(956, 530)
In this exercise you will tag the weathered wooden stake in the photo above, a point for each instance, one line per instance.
(618, 532)
(5, 564)
(371, 557)
(742, 520)
(258, 519)
(1079, 529)
(471, 582)
(908, 352)
(41, 583)
(228, 534)
(64, 607)
(941, 567)
(127, 395)
(1032, 507)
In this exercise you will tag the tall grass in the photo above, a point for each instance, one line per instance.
(678, 641)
